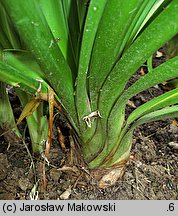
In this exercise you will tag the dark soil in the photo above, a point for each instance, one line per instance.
(152, 174)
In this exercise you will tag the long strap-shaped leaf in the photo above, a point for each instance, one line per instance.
(166, 71)
(28, 82)
(56, 19)
(22, 60)
(30, 22)
(170, 112)
(144, 45)
(164, 27)
(140, 49)
(72, 23)
(37, 122)
(164, 100)
(8, 30)
(115, 22)
(18, 67)
(6, 113)
(148, 9)
(157, 103)
(82, 8)
(125, 145)
(93, 17)
(53, 12)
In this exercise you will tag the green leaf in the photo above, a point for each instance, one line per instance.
(82, 6)
(146, 44)
(6, 113)
(72, 22)
(170, 112)
(19, 69)
(22, 60)
(91, 25)
(114, 24)
(151, 39)
(27, 82)
(166, 71)
(118, 82)
(124, 146)
(37, 124)
(8, 29)
(145, 13)
(38, 38)
(171, 47)
(55, 15)
(53, 12)
(159, 102)
(150, 63)
(122, 152)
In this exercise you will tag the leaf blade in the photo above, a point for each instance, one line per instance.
(50, 58)
(149, 41)
(82, 101)
(164, 100)
(106, 50)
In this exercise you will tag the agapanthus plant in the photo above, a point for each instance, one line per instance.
(87, 51)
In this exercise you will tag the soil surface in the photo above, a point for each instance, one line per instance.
(152, 174)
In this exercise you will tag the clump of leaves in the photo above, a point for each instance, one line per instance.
(87, 53)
